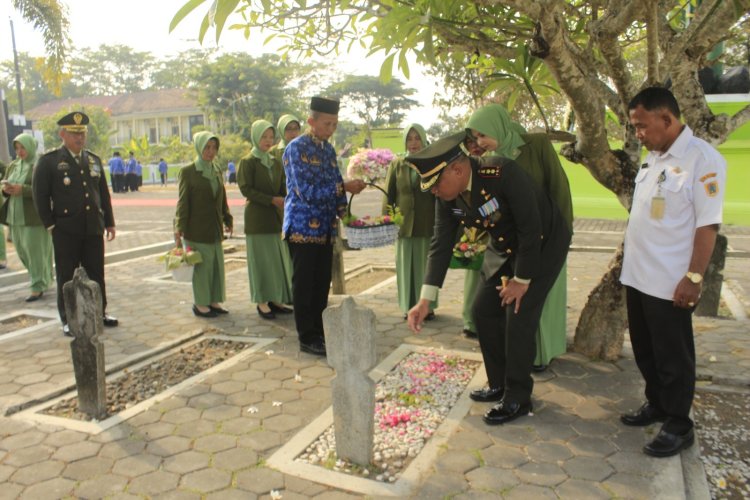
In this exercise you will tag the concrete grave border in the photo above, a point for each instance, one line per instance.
(283, 459)
(166, 278)
(96, 427)
(51, 316)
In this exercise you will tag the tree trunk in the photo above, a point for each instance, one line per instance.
(601, 326)
(711, 292)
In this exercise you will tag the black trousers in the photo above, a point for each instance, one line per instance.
(662, 338)
(118, 183)
(508, 339)
(163, 179)
(311, 282)
(71, 251)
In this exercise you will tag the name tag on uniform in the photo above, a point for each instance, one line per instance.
(657, 207)
(457, 212)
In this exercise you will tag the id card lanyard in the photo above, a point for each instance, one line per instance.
(658, 203)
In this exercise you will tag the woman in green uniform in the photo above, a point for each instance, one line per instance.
(289, 128)
(418, 210)
(261, 180)
(32, 241)
(494, 131)
(202, 215)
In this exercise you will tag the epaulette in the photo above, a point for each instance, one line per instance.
(91, 153)
(489, 171)
(50, 151)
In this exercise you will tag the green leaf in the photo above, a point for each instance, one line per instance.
(386, 70)
(223, 10)
(403, 64)
(203, 29)
(183, 12)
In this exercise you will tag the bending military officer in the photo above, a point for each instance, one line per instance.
(73, 201)
(528, 245)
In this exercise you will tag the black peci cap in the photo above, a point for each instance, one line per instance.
(323, 105)
(74, 122)
(430, 161)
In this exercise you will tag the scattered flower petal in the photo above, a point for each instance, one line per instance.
(277, 403)
(253, 409)
(297, 377)
(269, 352)
(276, 495)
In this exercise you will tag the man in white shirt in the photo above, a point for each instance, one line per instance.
(674, 219)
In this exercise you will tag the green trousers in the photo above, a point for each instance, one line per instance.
(3, 256)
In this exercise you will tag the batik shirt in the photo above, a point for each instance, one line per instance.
(315, 191)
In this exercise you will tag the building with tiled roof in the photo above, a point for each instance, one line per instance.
(153, 113)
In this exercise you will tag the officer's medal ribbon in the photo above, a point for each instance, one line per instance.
(658, 203)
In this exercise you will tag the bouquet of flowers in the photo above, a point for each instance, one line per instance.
(468, 252)
(369, 164)
(180, 262)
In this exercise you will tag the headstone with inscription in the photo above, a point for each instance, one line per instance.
(350, 344)
(83, 308)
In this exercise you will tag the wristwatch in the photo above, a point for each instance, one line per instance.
(694, 277)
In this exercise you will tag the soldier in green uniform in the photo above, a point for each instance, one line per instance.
(72, 198)
(529, 242)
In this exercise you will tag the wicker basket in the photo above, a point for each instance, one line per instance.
(380, 235)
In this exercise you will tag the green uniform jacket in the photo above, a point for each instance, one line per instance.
(200, 216)
(540, 160)
(258, 185)
(417, 207)
(74, 198)
(526, 226)
(30, 215)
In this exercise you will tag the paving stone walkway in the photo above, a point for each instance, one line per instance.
(204, 443)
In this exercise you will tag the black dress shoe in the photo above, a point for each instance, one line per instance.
(317, 347)
(487, 394)
(207, 314)
(266, 315)
(218, 310)
(66, 330)
(430, 316)
(539, 368)
(470, 334)
(666, 444)
(34, 297)
(279, 309)
(645, 415)
(506, 411)
(110, 320)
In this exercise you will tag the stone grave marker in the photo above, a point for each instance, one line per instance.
(350, 343)
(83, 308)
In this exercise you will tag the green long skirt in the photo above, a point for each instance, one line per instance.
(551, 336)
(411, 260)
(3, 256)
(269, 269)
(208, 276)
(34, 247)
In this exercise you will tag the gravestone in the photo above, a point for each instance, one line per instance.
(350, 344)
(83, 308)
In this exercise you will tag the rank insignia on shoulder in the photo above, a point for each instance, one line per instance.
(489, 171)
(707, 176)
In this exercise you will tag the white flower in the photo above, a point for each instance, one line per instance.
(276, 495)
(277, 403)
(252, 409)
(721, 483)
(297, 377)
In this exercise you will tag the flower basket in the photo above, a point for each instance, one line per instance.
(183, 274)
(180, 261)
(372, 232)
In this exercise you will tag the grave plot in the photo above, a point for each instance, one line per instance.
(153, 377)
(25, 321)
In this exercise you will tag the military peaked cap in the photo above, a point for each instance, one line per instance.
(430, 161)
(74, 122)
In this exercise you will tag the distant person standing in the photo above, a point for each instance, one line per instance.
(262, 181)
(32, 241)
(231, 173)
(117, 172)
(130, 173)
(674, 218)
(288, 128)
(163, 169)
(72, 198)
(138, 175)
